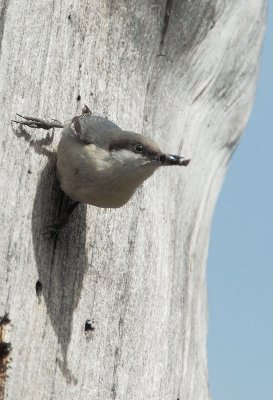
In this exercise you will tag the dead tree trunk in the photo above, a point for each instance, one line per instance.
(116, 307)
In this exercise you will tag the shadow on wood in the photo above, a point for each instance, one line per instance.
(61, 261)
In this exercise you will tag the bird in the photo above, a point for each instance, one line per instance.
(100, 164)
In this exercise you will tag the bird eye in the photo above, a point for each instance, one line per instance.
(139, 148)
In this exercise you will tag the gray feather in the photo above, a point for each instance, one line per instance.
(91, 128)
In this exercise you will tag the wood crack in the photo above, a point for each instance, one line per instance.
(168, 9)
(2, 21)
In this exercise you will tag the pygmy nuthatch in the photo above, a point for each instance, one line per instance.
(100, 164)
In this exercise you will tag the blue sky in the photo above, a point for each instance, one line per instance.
(240, 263)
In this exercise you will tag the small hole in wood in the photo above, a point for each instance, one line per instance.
(69, 16)
(4, 321)
(39, 288)
(5, 349)
(78, 98)
(89, 325)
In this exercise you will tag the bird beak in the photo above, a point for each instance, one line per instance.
(171, 159)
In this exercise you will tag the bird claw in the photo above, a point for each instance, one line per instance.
(52, 231)
(39, 123)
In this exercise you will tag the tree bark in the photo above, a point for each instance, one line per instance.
(116, 307)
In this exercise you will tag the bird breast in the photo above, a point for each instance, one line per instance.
(96, 176)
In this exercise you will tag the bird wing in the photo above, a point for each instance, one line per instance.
(90, 128)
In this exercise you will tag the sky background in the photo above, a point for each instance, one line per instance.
(240, 263)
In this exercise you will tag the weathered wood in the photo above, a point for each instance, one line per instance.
(183, 72)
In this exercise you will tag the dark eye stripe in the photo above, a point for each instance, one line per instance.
(121, 144)
(127, 144)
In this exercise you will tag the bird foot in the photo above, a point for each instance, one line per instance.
(39, 123)
(52, 231)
